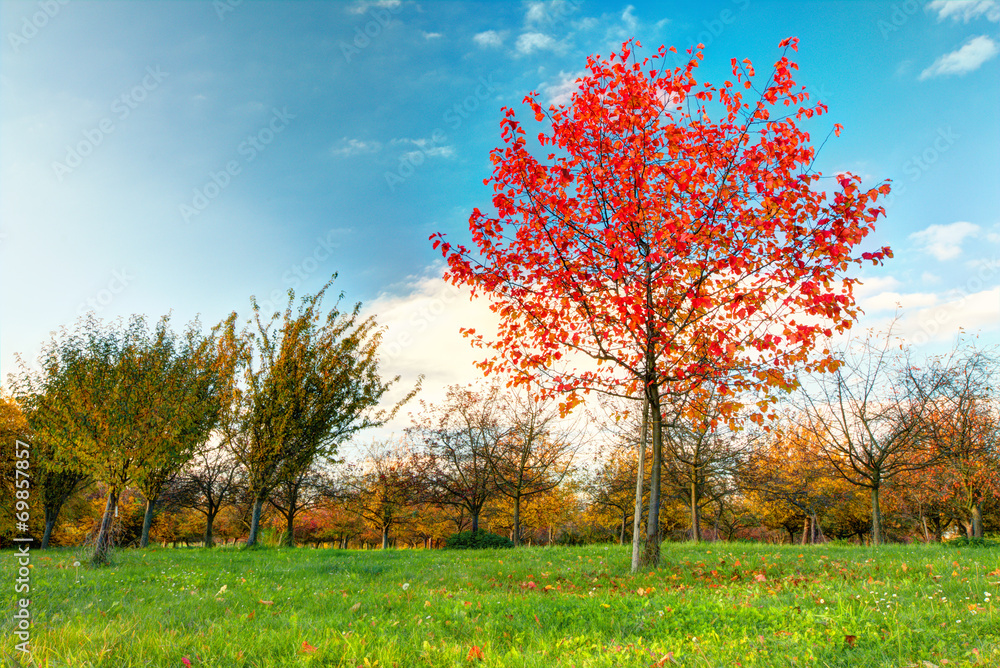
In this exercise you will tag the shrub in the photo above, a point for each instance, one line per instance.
(571, 538)
(971, 542)
(478, 540)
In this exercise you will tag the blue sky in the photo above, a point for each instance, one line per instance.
(185, 155)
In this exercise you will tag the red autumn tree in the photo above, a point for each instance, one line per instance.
(673, 235)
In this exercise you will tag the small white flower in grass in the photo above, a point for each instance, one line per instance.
(406, 585)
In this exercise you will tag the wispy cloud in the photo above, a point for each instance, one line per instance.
(361, 6)
(355, 147)
(628, 18)
(433, 35)
(966, 10)
(973, 53)
(530, 42)
(490, 39)
(537, 13)
(944, 242)
(425, 148)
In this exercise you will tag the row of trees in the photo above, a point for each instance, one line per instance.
(927, 437)
(127, 406)
(879, 447)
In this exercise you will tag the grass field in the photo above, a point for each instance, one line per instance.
(708, 605)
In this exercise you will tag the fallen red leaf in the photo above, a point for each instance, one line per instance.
(475, 654)
(307, 648)
(850, 640)
(186, 661)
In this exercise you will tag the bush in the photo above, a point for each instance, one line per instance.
(571, 538)
(478, 540)
(971, 542)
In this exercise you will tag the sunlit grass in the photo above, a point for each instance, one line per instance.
(708, 605)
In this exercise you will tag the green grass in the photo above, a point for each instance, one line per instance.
(708, 605)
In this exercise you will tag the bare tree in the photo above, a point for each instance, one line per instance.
(868, 420)
(535, 452)
(964, 425)
(461, 435)
(206, 484)
(385, 486)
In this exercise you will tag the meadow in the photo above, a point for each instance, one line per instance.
(719, 604)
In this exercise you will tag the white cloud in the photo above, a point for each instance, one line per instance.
(973, 53)
(422, 321)
(628, 18)
(426, 148)
(362, 6)
(944, 242)
(561, 91)
(966, 10)
(530, 42)
(356, 147)
(875, 285)
(547, 12)
(490, 39)
(972, 313)
(433, 35)
(890, 301)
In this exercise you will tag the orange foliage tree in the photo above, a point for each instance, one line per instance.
(673, 235)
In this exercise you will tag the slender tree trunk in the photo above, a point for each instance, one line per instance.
(923, 525)
(209, 523)
(695, 519)
(977, 520)
(517, 520)
(651, 557)
(51, 514)
(621, 532)
(147, 522)
(385, 538)
(103, 543)
(639, 483)
(805, 531)
(876, 518)
(258, 505)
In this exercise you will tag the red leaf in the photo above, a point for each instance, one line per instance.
(475, 654)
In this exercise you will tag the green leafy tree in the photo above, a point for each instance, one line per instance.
(113, 400)
(307, 382)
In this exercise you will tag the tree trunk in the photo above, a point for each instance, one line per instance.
(923, 525)
(147, 522)
(876, 518)
(258, 504)
(475, 521)
(50, 523)
(977, 520)
(517, 520)
(805, 531)
(103, 543)
(651, 557)
(209, 522)
(290, 527)
(639, 482)
(385, 538)
(695, 519)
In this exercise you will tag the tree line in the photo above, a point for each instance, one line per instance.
(178, 430)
